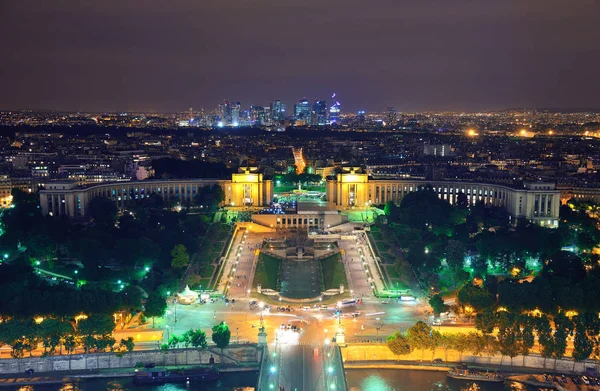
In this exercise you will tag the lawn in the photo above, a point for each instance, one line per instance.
(386, 246)
(382, 246)
(333, 272)
(267, 271)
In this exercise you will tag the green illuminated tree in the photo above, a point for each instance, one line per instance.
(156, 305)
(179, 257)
(221, 335)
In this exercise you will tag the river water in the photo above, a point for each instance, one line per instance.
(358, 380)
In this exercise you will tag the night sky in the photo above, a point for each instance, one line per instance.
(168, 55)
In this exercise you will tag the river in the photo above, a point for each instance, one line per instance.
(358, 380)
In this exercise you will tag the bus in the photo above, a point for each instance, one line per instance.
(346, 303)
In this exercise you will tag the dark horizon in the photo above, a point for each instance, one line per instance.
(463, 56)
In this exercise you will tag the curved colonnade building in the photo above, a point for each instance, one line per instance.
(64, 198)
(538, 202)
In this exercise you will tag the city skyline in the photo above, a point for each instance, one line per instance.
(429, 56)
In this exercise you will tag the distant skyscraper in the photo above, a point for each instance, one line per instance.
(235, 113)
(229, 113)
(260, 115)
(302, 112)
(334, 111)
(319, 113)
(392, 116)
(277, 111)
(360, 118)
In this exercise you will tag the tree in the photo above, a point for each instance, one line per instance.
(127, 344)
(397, 344)
(70, 344)
(156, 305)
(196, 338)
(461, 343)
(420, 337)
(485, 321)
(221, 335)
(103, 211)
(455, 254)
(180, 257)
(437, 304)
(583, 346)
(20, 334)
(526, 324)
(566, 265)
(508, 335)
(561, 333)
(96, 331)
(545, 339)
(462, 201)
(477, 297)
(52, 332)
(389, 208)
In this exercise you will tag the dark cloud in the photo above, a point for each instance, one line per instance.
(415, 55)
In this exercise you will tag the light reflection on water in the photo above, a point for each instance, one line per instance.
(357, 379)
(414, 380)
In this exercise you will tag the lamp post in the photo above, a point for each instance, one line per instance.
(237, 332)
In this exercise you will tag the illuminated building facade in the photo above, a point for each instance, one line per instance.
(277, 111)
(538, 202)
(334, 113)
(302, 112)
(319, 113)
(65, 198)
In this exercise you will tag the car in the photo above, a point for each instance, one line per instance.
(385, 302)
(437, 360)
(149, 365)
(29, 372)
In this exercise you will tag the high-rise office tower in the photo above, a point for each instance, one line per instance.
(302, 112)
(255, 114)
(277, 111)
(235, 113)
(334, 111)
(392, 116)
(360, 118)
(319, 113)
(260, 115)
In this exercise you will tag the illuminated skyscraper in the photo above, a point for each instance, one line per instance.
(229, 113)
(392, 116)
(277, 111)
(334, 112)
(235, 113)
(302, 112)
(260, 115)
(319, 113)
(360, 118)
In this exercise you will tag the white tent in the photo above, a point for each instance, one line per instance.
(188, 296)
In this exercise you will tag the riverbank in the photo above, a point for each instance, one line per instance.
(445, 367)
(61, 377)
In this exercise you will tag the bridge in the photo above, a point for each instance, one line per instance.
(302, 368)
